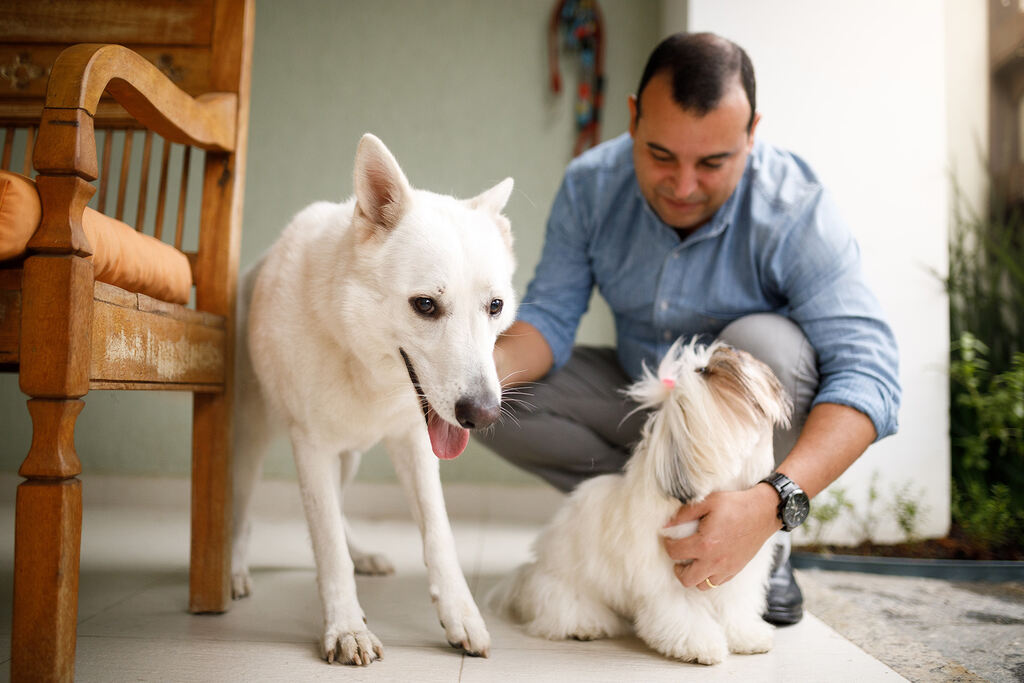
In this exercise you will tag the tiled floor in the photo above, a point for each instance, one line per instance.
(133, 625)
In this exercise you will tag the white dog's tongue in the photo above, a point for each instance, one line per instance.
(447, 440)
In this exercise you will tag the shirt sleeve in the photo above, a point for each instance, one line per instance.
(559, 293)
(817, 267)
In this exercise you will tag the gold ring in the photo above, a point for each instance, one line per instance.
(708, 582)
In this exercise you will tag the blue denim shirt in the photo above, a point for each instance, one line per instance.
(778, 244)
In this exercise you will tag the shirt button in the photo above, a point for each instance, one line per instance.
(667, 335)
(664, 305)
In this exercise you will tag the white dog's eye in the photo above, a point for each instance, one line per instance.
(425, 306)
(495, 307)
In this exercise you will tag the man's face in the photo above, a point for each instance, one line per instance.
(687, 166)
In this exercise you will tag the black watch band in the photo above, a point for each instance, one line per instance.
(794, 505)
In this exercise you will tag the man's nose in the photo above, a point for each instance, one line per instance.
(684, 182)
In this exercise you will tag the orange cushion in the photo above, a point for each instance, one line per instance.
(121, 256)
(20, 213)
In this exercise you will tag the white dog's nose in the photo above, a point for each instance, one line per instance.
(477, 412)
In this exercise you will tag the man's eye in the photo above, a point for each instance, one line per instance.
(425, 306)
(495, 307)
(712, 164)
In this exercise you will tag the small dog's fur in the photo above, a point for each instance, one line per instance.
(600, 567)
(374, 319)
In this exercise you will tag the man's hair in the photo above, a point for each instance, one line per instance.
(700, 65)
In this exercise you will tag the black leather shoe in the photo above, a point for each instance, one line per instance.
(785, 599)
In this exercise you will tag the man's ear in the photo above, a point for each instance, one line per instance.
(382, 190)
(632, 101)
(753, 127)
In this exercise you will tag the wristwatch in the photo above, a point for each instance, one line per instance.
(794, 504)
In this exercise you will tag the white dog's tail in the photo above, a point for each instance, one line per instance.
(503, 599)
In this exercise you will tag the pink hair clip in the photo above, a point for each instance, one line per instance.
(668, 382)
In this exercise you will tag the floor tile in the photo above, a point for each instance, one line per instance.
(141, 659)
(809, 651)
(133, 623)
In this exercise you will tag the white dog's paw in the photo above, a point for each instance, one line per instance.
(706, 651)
(373, 564)
(464, 627)
(750, 639)
(702, 648)
(241, 584)
(359, 646)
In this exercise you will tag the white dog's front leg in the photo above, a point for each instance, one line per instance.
(681, 625)
(418, 471)
(345, 636)
(740, 602)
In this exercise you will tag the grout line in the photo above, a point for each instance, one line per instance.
(123, 600)
(214, 639)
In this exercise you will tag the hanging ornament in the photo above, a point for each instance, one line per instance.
(580, 27)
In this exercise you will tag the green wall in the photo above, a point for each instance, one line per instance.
(457, 89)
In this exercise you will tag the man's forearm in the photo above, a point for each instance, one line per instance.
(522, 355)
(833, 437)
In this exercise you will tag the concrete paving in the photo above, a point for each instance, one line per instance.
(925, 629)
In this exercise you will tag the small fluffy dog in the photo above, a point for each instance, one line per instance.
(374, 319)
(600, 567)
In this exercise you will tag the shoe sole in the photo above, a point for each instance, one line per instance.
(784, 617)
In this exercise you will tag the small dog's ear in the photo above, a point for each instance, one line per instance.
(738, 376)
(381, 189)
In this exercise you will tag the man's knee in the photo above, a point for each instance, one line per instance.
(571, 424)
(774, 340)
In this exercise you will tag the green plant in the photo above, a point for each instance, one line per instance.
(986, 297)
(864, 522)
(986, 278)
(988, 444)
(907, 508)
(825, 512)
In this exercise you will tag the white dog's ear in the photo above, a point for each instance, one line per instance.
(493, 202)
(382, 190)
(494, 199)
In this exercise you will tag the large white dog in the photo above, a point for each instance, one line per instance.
(374, 319)
(600, 569)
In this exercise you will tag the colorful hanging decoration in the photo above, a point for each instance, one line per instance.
(581, 28)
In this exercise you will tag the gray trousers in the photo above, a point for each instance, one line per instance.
(572, 425)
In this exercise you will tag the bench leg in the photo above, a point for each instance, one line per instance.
(210, 569)
(48, 534)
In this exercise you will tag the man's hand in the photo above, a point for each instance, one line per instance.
(732, 527)
(521, 355)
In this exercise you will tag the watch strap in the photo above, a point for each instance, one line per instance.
(785, 487)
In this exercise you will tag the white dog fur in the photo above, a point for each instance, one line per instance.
(600, 568)
(374, 319)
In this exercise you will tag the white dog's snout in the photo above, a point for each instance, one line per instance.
(477, 412)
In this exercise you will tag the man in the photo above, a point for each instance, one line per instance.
(690, 226)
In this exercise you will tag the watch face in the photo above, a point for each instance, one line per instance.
(794, 512)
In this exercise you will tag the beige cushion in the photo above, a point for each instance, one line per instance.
(121, 256)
